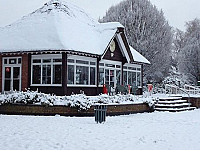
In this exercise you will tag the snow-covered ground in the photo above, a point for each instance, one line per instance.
(152, 131)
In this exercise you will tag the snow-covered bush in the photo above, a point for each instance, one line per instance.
(80, 101)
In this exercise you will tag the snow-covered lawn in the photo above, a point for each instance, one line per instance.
(152, 131)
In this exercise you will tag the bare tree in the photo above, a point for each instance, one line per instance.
(148, 32)
(189, 55)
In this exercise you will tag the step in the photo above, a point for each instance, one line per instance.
(175, 109)
(172, 102)
(170, 98)
(173, 105)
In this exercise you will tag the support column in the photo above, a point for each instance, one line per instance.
(64, 73)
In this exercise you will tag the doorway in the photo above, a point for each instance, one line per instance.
(11, 74)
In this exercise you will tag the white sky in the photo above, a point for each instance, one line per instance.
(177, 12)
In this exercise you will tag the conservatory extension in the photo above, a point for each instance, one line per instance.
(60, 49)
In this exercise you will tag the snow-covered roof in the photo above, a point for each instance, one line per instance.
(58, 25)
(138, 57)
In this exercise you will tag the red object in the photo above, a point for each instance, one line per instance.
(105, 91)
(129, 89)
(7, 69)
(150, 87)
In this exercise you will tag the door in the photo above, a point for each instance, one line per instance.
(11, 74)
(110, 77)
(113, 77)
(12, 78)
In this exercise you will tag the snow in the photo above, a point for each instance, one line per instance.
(152, 131)
(138, 57)
(80, 101)
(57, 27)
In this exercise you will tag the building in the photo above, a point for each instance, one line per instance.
(60, 49)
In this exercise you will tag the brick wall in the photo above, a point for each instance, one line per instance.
(25, 72)
(0, 73)
(195, 101)
(68, 111)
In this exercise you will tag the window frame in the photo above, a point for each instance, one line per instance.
(43, 57)
(104, 65)
(138, 69)
(89, 65)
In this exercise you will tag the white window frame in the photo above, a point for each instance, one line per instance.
(136, 71)
(115, 63)
(41, 57)
(11, 65)
(83, 58)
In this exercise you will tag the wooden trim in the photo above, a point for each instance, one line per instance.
(64, 73)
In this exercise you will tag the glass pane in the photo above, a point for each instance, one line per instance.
(118, 66)
(101, 64)
(70, 74)
(118, 77)
(133, 83)
(46, 60)
(16, 72)
(92, 63)
(36, 60)
(57, 60)
(16, 84)
(82, 62)
(5, 61)
(131, 68)
(19, 60)
(107, 77)
(101, 76)
(138, 69)
(57, 71)
(138, 79)
(7, 85)
(110, 65)
(92, 76)
(125, 67)
(36, 74)
(46, 74)
(129, 78)
(82, 75)
(70, 60)
(112, 78)
(13, 61)
(8, 72)
(125, 78)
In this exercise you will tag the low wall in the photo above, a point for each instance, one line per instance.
(195, 101)
(19, 109)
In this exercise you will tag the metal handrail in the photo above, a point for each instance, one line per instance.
(192, 89)
(178, 89)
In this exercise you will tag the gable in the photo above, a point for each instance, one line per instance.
(116, 55)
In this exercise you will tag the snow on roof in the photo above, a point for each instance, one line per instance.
(138, 57)
(58, 25)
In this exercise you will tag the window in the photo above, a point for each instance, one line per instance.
(81, 70)
(132, 75)
(46, 69)
(110, 73)
(12, 61)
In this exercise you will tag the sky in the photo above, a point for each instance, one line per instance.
(177, 12)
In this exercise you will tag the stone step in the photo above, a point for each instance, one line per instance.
(175, 109)
(172, 105)
(172, 102)
(170, 98)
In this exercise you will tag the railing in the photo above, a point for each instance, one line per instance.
(173, 89)
(192, 89)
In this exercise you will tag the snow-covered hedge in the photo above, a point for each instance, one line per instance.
(80, 101)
